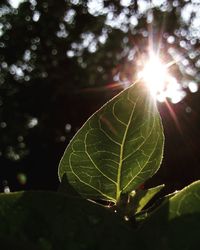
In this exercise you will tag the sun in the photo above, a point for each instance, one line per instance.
(154, 74)
(160, 82)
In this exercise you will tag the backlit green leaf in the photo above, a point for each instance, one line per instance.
(117, 149)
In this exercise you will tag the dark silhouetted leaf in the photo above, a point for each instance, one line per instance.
(53, 221)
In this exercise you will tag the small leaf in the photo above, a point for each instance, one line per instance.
(143, 197)
(176, 223)
(117, 149)
(131, 204)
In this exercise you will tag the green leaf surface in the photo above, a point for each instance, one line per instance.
(117, 149)
(53, 221)
(175, 224)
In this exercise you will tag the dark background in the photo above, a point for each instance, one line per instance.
(61, 60)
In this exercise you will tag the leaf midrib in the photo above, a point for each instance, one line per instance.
(118, 190)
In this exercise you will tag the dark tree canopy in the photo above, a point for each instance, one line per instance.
(61, 60)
